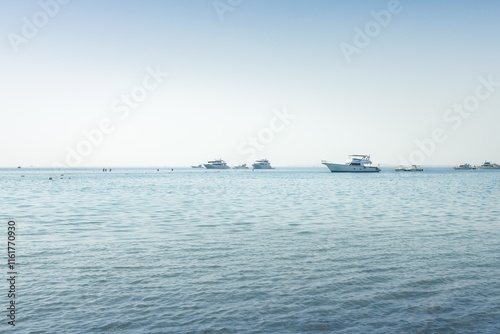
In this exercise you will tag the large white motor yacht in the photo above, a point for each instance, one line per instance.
(357, 163)
(262, 164)
(216, 164)
(489, 165)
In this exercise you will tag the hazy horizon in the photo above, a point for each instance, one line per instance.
(178, 83)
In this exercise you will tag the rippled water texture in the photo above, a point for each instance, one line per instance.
(282, 251)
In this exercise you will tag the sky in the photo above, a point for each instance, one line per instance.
(181, 82)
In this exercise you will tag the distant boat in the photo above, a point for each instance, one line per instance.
(464, 167)
(244, 166)
(489, 165)
(400, 168)
(197, 166)
(216, 164)
(413, 168)
(262, 164)
(357, 163)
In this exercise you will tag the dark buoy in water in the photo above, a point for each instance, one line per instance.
(158, 170)
(50, 178)
(172, 169)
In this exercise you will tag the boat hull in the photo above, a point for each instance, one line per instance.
(410, 170)
(342, 168)
(262, 166)
(208, 166)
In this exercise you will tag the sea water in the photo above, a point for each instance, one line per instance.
(238, 251)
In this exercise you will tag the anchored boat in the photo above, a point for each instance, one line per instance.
(244, 166)
(413, 168)
(262, 164)
(357, 163)
(216, 164)
(489, 165)
(464, 167)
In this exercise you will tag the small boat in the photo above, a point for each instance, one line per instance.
(413, 168)
(216, 164)
(357, 163)
(262, 164)
(197, 166)
(400, 168)
(489, 165)
(464, 167)
(244, 166)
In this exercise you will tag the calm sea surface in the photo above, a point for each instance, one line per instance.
(282, 251)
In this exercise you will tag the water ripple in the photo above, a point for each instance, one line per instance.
(289, 251)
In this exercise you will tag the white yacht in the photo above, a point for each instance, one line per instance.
(489, 165)
(216, 164)
(262, 164)
(464, 167)
(357, 163)
(197, 166)
(413, 168)
(400, 168)
(244, 166)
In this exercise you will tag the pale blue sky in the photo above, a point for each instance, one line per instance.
(227, 76)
